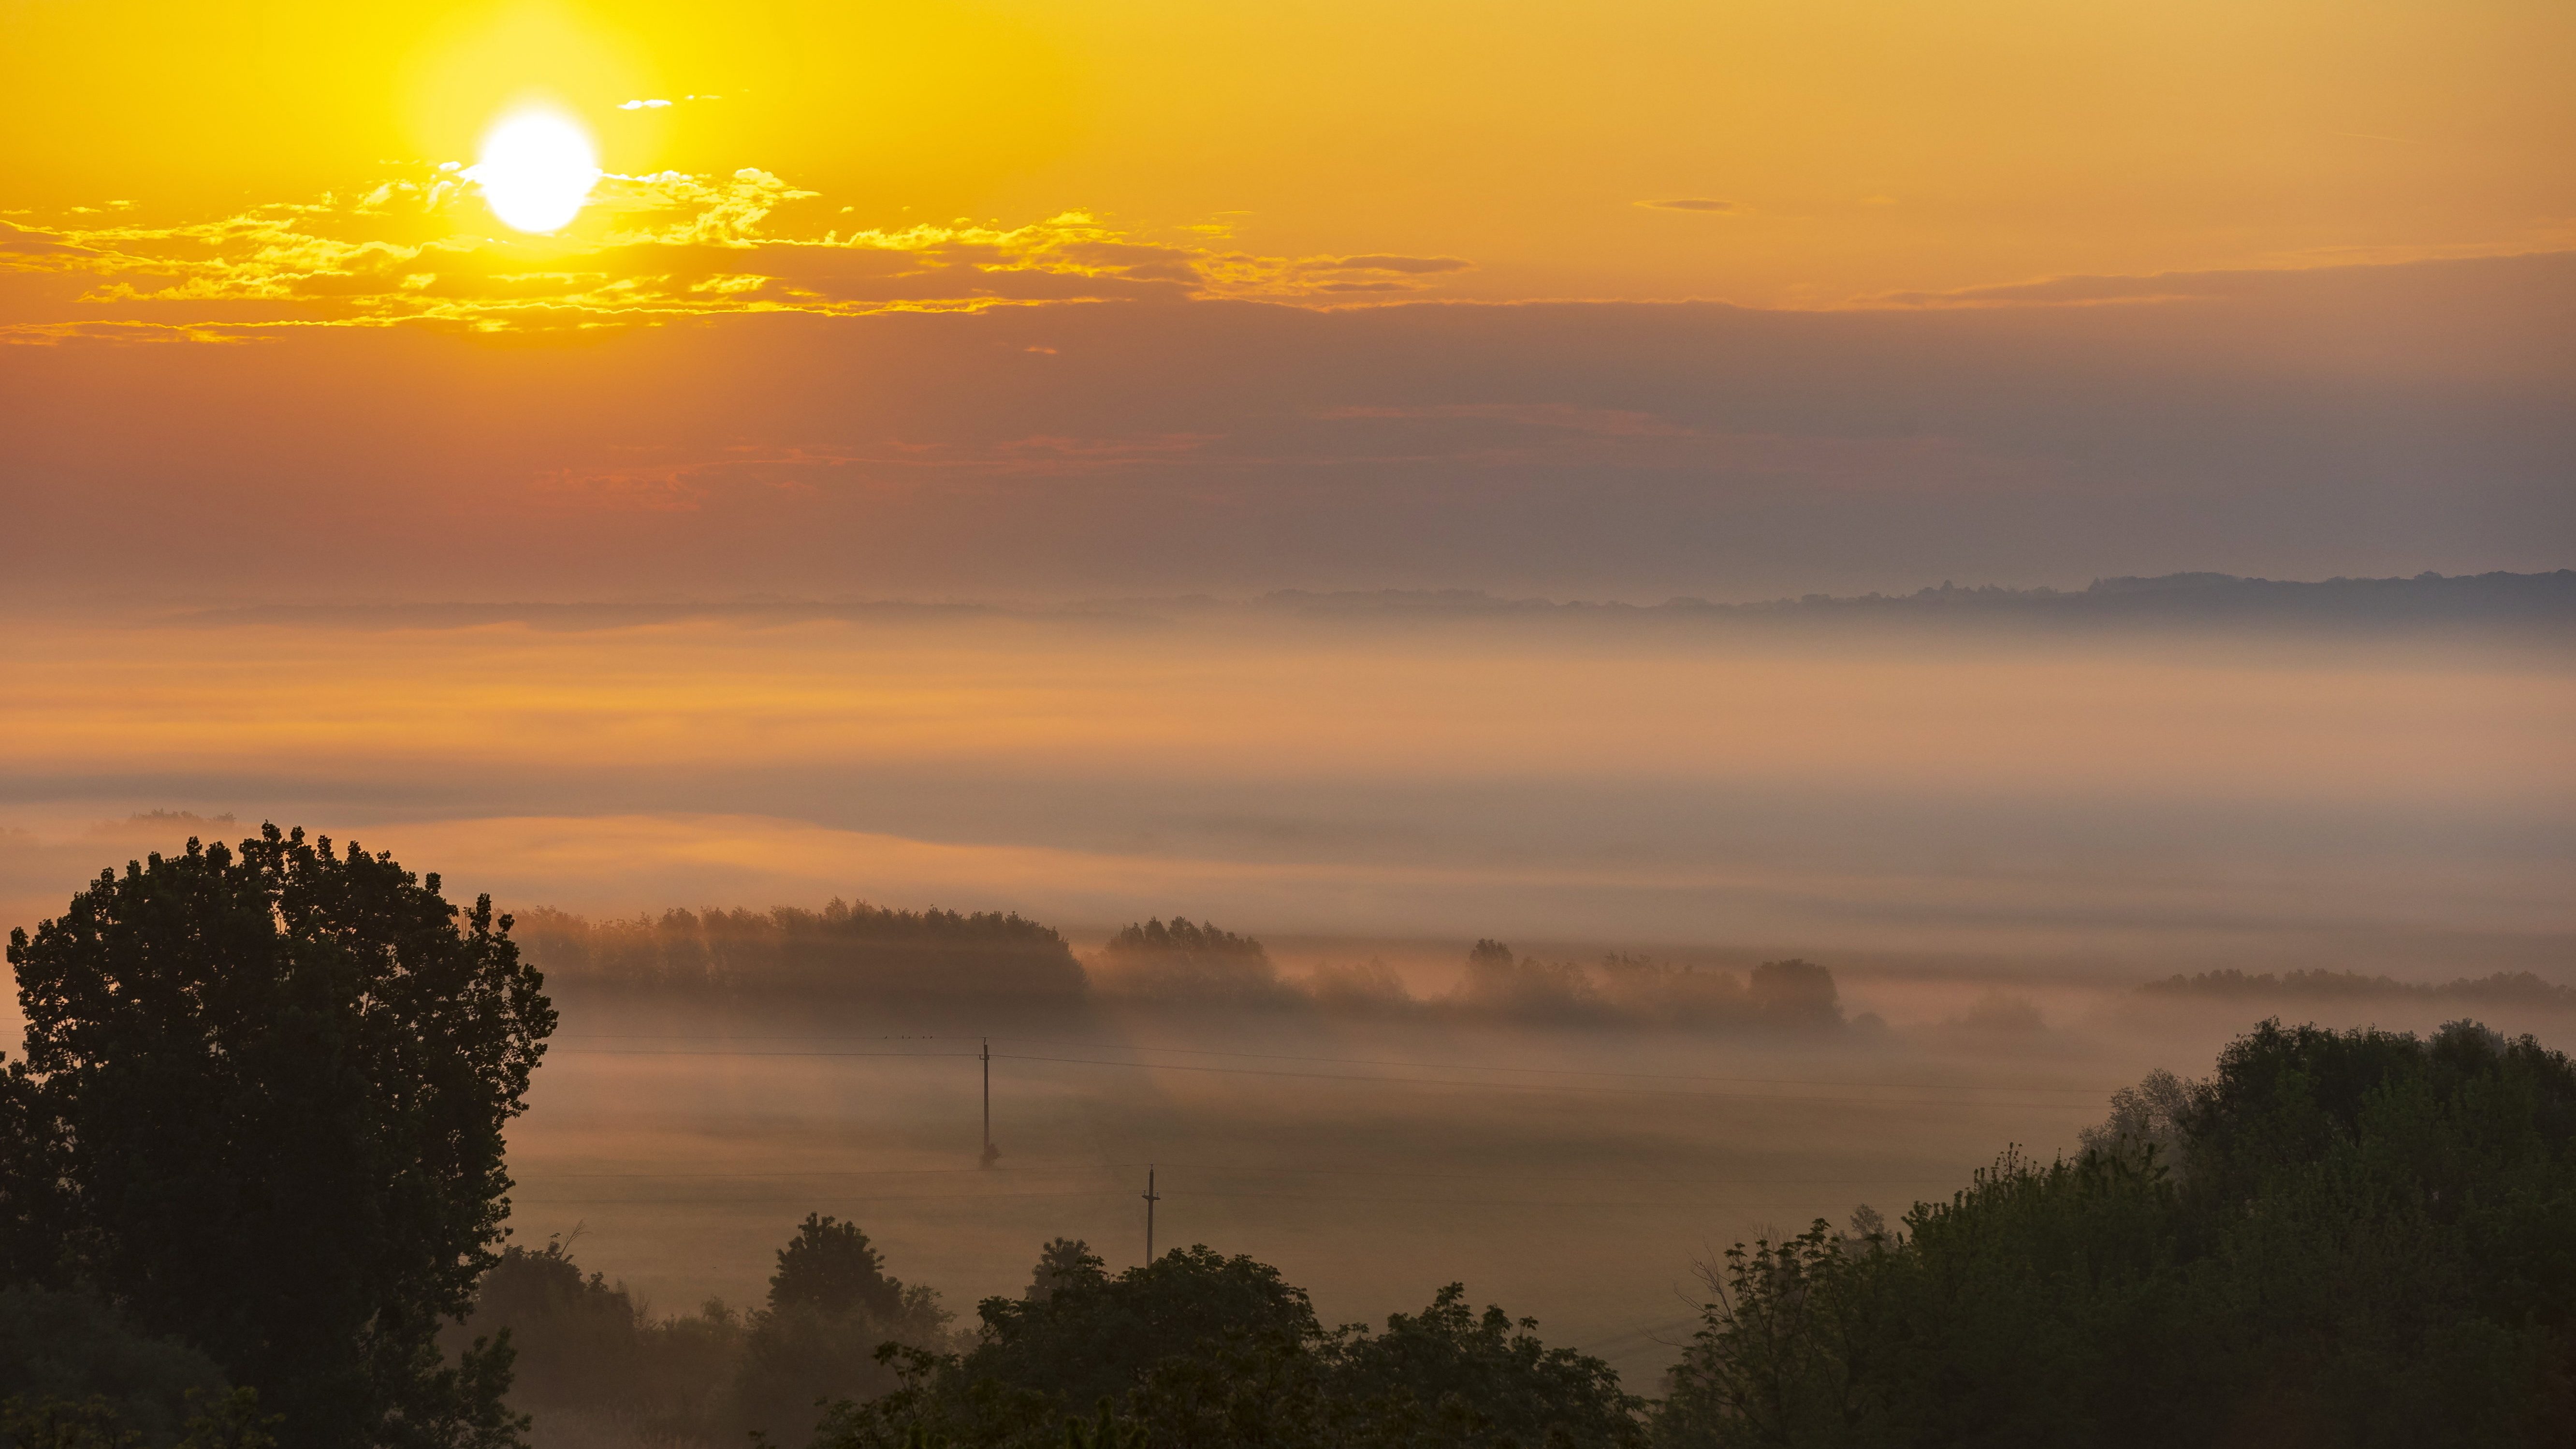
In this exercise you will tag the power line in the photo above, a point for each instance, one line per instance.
(1360, 1062)
(1522, 1086)
(731, 1052)
(1452, 1203)
(1416, 1081)
(755, 1201)
(1562, 1071)
(1236, 1169)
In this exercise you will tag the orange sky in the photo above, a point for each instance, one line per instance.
(1825, 153)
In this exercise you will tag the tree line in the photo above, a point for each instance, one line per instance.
(860, 957)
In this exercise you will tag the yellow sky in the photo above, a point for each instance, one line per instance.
(1840, 150)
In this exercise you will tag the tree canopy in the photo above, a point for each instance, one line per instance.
(1202, 1351)
(261, 1110)
(2345, 1238)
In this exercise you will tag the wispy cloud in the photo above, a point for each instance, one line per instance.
(20, 241)
(417, 248)
(686, 482)
(1692, 203)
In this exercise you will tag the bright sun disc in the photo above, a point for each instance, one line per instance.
(536, 169)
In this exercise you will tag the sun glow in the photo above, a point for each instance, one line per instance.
(536, 169)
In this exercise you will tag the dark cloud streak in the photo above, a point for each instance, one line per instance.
(2358, 421)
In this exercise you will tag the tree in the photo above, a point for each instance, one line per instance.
(831, 1267)
(74, 1348)
(587, 1352)
(831, 1307)
(221, 1421)
(1064, 1262)
(262, 1110)
(2366, 1243)
(1200, 1351)
(1189, 961)
(1451, 1375)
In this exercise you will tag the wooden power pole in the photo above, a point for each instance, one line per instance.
(1150, 1200)
(990, 1151)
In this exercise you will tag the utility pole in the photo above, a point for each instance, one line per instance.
(990, 1151)
(1150, 1200)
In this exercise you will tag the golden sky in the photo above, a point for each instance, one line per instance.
(279, 160)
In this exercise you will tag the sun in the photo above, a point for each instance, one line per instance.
(536, 169)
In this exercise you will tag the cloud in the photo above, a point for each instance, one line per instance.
(2353, 420)
(1692, 203)
(2064, 292)
(27, 242)
(416, 248)
(688, 481)
(643, 105)
(1416, 266)
(2349, 265)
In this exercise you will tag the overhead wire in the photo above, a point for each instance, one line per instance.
(1353, 1061)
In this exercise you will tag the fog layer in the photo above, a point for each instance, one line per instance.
(2140, 799)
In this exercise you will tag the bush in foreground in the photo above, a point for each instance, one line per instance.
(1201, 1351)
(2356, 1238)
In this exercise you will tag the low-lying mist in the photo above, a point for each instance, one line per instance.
(2135, 780)
(1568, 1134)
(1402, 940)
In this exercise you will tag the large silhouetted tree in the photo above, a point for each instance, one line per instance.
(262, 1111)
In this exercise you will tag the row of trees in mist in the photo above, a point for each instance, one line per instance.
(858, 952)
(2507, 989)
(865, 955)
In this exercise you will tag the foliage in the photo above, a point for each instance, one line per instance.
(587, 1347)
(830, 1267)
(1197, 1349)
(589, 1350)
(1193, 962)
(2498, 989)
(1060, 1262)
(2370, 1240)
(831, 1306)
(1792, 994)
(583, 1343)
(843, 952)
(75, 1348)
(262, 1108)
(228, 1420)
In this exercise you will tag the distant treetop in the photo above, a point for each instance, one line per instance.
(1182, 935)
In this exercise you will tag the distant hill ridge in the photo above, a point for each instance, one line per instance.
(2501, 597)
(2542, 599)
(2519, 988)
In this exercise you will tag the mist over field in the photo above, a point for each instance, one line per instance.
(2138, 793)
(1406, 938)
(1570, 1136)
